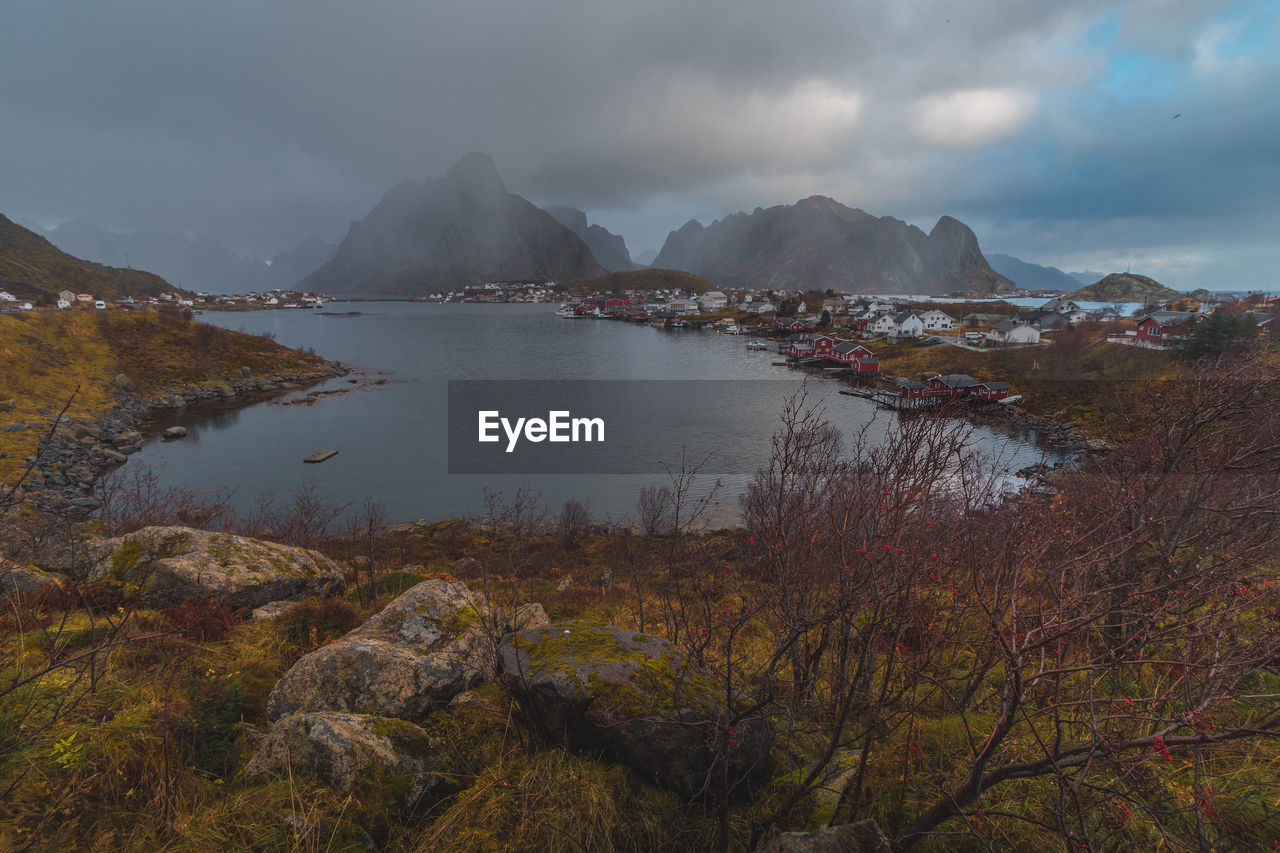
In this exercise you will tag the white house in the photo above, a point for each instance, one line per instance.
(682, 306)
(714, 300)
(1067, 308)
(68, 297)
(761, 307)
(1014, 332)
(937, 321)
(6, 296)
(907, 324)
(63, 305)
(883, 324)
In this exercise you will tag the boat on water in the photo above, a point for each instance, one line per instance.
(757, 344)
(568, 309)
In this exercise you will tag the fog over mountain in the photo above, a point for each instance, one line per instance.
(197, 264)
(464, 228)
(1089, 134)
(609, 249)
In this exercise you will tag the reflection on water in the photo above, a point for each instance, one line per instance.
(392, 438)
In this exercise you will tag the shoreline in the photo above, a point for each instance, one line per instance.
(79, 451)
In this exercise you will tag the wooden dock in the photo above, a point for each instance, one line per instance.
(316, 458)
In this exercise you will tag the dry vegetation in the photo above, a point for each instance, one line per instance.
(48, 355)
(1095, 670)
(1079, 377)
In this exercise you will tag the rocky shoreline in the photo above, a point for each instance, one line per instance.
(1060, 436)
(79, 451)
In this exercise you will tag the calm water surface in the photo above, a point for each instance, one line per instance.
(391, 438)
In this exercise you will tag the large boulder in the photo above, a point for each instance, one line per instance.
(27, 581)
(167, 565)
(374, 756)
(425, 647)
(861, 837)
(597, 688)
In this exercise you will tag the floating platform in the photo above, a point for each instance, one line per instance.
(316, 458)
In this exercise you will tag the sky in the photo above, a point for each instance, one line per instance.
(1084, 135)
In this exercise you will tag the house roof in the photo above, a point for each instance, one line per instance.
(957, 380)
(996, 386)
(910, 384)
(1009, 325)
(903, 316)
(1169, 318)
(846, 346)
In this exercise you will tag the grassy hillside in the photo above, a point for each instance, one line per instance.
(646, 279)
(1125, 287)
(1079, 377)
(33, 268)
(48, 355)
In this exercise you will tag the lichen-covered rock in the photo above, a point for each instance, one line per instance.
(598, 688)
(421, 650)
(166, 565)
(27, 580)
(374, 756)
(861, 837)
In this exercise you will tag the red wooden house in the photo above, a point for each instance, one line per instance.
(861, 359)
(788, 325)
(991, 390)
(953, 385)
(911, 388)
(812, 346)
(1163, 327)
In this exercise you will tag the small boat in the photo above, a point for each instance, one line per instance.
(757, 344)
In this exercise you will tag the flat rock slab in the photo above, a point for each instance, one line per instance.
(597, 688)
(373, 756)
(167, 565)
(420, 651)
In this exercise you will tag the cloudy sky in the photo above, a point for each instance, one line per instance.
(1047, 126)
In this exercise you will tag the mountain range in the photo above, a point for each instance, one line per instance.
(1031, 276)
(34, 269)
(818, 243)
(467, 228)
(462, 229)
(195, 264)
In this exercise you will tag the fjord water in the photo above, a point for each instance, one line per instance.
(392, 438)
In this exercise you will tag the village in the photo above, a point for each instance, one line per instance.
(842, 337)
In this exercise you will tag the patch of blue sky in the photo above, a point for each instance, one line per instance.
(1139, 76)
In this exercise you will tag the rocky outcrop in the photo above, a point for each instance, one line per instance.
(598, 688)
(819, 243)
(420, 651)
(373, 756)
(861, 837)
(1125, 287)
(462, 229)
(167, 565)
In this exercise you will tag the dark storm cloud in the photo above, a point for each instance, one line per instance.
(262, 123)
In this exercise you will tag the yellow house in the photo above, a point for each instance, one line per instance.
(1185, 303)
